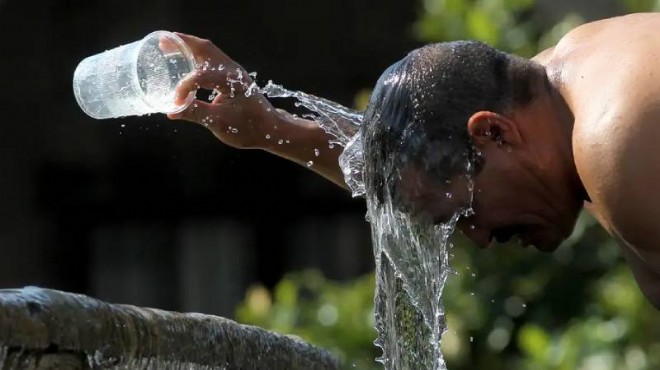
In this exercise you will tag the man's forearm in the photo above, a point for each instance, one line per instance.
(304, 142)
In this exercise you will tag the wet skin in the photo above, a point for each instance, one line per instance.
(590, 140)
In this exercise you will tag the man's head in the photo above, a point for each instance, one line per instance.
(452, 115)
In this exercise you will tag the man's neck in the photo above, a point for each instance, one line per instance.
(563, 120)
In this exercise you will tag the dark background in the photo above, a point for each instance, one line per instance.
(152, 212)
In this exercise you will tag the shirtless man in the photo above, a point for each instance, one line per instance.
(574, 126)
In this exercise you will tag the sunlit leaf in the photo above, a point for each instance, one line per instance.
(534, 341)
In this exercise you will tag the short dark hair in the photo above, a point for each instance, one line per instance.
(420, 106)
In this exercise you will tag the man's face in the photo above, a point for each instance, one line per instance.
(508, 200)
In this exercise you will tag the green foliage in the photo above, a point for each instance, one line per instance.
(578, 308)
(505, 24)
(635, 6)
(335, 316)
(507, 307)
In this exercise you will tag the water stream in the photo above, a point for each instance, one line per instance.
(411, 257)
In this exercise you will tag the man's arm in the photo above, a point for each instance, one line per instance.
(647, 279)
(307, 144)
(251, 122)
(618, 162)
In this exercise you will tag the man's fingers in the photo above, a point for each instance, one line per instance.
(220, 80)
(199, 112)
(167, 46)
(193, 42)
(199, 79)
(204, 50)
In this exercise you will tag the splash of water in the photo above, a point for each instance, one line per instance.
(335, 119)
(340, 122)
(411, 257)
(412, 265)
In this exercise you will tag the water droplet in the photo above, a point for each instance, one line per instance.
(195, 105)
(268, 137)
(471, 338)
(234, 131)
(288, 142)
(123, 125)
(472, 227)
(331, 146)
(449, 195)
(310, 163)
(280, 141)
(317, 152)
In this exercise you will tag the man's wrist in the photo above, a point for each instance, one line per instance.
(276, 126)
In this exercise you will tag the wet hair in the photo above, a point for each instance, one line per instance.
(420, 107)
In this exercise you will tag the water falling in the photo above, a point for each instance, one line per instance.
(340, 122)
(411, 256)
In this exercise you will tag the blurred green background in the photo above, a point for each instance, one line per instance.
(507, 307)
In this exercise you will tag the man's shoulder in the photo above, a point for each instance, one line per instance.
(618, 144)
(617, 162)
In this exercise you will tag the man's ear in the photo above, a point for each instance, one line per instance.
(487, 127)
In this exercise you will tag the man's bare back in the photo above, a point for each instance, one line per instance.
(609, 74)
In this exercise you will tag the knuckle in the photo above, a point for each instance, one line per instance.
(206, 43)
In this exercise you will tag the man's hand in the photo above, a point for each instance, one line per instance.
(251, 121)
(237, 120)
